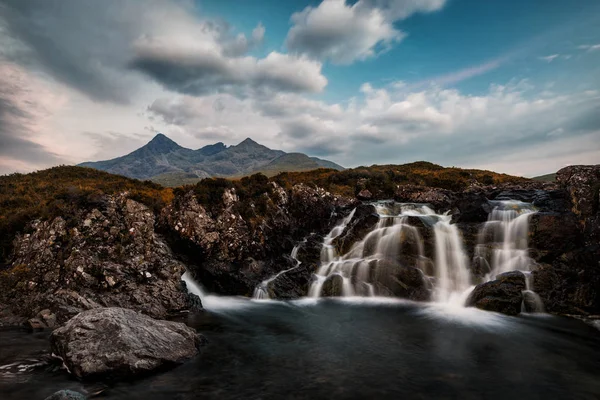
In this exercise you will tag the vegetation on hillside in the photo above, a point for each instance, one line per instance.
(59, 191)
(383, 179)
(545, 178)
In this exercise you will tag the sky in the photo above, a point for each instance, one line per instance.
(507, 85)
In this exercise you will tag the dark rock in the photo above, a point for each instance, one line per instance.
(503, 295)
(440, 199)
(410, 283)
(104, 257)
(551, 200)
(332, 287)
(364, 219)
(117, 342)
(292, 284)
(66, 395)
(552, 234)
(583, 184)
(35, 324)
(470, 207)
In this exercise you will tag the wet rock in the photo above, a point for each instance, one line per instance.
(115, 259)
(440, 199)
(292, 284)
(410, 283)
(66, 395)
(552, 234)
(332, 287)
(551, 200)
(532, 302)
(364, 219)
(470, 207)
(503, 295)
(117, 343)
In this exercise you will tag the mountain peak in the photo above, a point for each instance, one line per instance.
(248, 142)
(162, 143)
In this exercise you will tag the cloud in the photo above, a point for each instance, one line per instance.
(205, 71)
(90, 46)
(463, 74)
(549, 58)
(23, 111)
(342, 32)
(589, 47)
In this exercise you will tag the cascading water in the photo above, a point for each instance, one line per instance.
(369, 267)
(261, 292)
(503, 245)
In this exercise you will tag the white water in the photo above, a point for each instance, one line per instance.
(368, 268)
(503, 245)
(261, 292)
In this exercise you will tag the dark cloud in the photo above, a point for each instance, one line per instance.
(201, 74)
(80, 42)
(14, 142)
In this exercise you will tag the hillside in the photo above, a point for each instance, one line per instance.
(545, 178)
(165, 162)
(57, 191)
(383, 179)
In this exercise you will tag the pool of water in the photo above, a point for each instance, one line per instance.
(346, 349)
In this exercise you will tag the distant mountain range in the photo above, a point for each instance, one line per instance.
(164, 161)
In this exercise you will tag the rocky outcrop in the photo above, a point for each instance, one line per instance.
(440, 199)
(364, 219)
(117, 342)
(503, 295)
(230, 253)
(566, 244)
(66, 395)
(105, 257)
(583, 184)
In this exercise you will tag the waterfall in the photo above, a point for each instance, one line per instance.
(371, 266)
(192, 286)
(453, 277)
(503, 245)
(261, 292)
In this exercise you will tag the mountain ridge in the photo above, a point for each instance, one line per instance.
(165, 161)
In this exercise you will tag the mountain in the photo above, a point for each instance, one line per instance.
(545, 178)
(164, 161)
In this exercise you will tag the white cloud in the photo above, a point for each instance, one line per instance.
(343, 33)
(589, 47)
(549, 58)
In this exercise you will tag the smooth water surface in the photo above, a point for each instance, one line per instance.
(349, 349)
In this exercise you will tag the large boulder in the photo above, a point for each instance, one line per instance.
(109, 256)
(503, 295)
(583, 184)
(116, 343)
